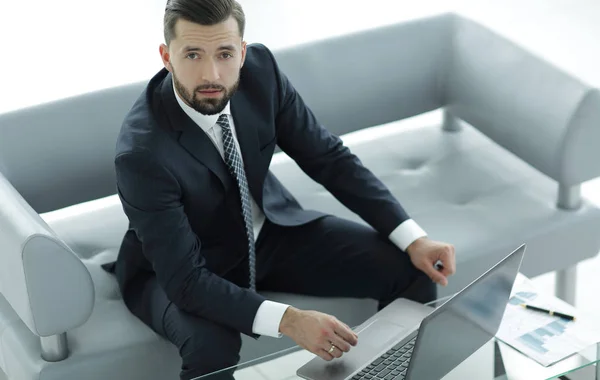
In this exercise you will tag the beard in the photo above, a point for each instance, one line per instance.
(209, 106)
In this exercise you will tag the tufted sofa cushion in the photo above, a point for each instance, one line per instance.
(464, 189)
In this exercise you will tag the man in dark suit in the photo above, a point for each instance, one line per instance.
(210, 225)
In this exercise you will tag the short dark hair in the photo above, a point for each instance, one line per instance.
(203, 12)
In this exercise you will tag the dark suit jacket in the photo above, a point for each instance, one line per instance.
(186, 226)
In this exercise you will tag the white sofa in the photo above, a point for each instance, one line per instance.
(485, 145)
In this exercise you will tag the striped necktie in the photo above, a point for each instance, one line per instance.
(236, 168)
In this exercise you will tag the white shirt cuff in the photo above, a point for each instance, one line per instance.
(268, 318)
(406, 233)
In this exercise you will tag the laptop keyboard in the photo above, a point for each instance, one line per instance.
(390, 366)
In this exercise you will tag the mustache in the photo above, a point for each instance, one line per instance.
(210, 87)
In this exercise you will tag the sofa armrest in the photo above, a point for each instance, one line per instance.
(90, 227)
(545, 116)
(45, 283)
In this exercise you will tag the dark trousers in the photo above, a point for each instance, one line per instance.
(330, 257)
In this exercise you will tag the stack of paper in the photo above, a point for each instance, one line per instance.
(546, 339)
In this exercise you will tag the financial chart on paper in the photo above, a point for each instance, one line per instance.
(544, 338)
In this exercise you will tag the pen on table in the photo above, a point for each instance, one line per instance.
(556, 313)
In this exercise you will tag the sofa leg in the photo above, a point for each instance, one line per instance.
(54, 348)
(566, 282)
(450, 123)
(569, 197)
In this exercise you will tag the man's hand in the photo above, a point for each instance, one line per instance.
(316, 332)
(424, 253)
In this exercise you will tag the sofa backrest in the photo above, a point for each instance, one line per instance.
(372, 77)
(62, 153)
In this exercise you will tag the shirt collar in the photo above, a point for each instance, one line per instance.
(206, 122)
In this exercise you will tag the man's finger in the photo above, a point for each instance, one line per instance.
(449, 261)
(435, 275)
(350, 329)
(340, 343)
(324, 355)
(337, 352)
(449, 269)
(447, 272)
(440, 280)
(346, 334)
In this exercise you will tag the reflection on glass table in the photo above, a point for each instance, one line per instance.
(495, 360)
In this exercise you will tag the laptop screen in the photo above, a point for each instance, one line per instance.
(464, 323)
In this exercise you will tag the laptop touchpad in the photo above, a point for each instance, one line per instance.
(378, 333)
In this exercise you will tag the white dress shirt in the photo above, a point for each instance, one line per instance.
(269, 314)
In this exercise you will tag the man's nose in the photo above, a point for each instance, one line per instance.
(210, 72)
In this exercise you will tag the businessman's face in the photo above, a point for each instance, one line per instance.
(205, 62)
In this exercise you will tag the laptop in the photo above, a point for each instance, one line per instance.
(410, 341)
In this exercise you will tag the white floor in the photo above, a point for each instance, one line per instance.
(96, 56)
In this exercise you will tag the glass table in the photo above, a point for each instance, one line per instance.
(493, 361)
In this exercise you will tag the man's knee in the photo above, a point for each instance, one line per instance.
(208, 350)
(421, 290)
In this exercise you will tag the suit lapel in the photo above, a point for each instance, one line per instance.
(192, 137)
(199, 145)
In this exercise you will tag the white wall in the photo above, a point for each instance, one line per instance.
(54, 49)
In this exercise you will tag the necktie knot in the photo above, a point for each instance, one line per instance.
(223, 121)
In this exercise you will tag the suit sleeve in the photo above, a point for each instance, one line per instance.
(151, 199)
(324, 158)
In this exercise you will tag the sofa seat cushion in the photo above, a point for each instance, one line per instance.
(462, 188)
(8, 319)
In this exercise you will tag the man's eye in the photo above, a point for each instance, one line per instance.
(226, 55)
(192, 56)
